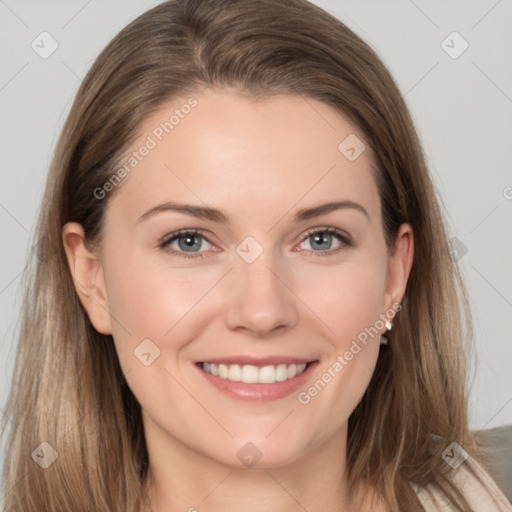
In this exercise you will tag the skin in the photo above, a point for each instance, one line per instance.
(279, 155)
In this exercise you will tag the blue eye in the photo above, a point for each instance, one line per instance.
(188, 241)
(192, 243)
(326, 240)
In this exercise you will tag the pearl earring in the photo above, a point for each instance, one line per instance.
(384, 339)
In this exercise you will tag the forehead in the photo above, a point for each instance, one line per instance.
(244, 155)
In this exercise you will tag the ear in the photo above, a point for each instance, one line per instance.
(87, 273)
(400, 263)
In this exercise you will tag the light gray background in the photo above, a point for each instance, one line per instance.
(462, 107)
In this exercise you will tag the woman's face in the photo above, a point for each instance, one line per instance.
(242, 244)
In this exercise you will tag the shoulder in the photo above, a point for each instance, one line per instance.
(475, 484)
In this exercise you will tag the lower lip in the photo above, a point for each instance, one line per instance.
(259, 392)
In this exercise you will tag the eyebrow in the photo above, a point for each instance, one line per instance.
(309, 213)
(214, 215)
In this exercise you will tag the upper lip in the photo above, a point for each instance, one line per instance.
(258, 361)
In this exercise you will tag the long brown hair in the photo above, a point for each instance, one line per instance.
(68, 389)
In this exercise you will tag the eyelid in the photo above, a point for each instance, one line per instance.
(169, 237)
(344, 238)
(164, 243)
(326, 229)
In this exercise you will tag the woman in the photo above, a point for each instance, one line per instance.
(243, 296)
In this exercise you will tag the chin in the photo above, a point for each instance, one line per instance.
(261, 454)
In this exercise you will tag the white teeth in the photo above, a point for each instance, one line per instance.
(223, 371)
(282, 373)
(252, 374)
(267, 375)
(235, 373)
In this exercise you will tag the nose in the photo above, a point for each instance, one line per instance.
(261, 303)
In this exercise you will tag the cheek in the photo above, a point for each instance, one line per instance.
(347, 298)
(152, 301)
(148, 301)
(164, 306)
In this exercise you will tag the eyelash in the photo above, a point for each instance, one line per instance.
(342, 237)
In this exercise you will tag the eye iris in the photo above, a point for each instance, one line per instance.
(189, 242)
(321, 241)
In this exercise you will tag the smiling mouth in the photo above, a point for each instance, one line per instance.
(250, 374)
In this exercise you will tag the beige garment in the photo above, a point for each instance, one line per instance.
(483, 496)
